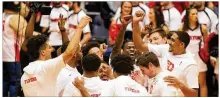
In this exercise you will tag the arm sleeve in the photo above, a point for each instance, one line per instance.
(192, 75)
(108, 91)
(175, 22)
(54, 66)
(86, 29)
(71, 90)
(159, 50)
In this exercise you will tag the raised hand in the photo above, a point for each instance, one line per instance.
(126, 19)
(84, 21)
(61, 23)
(103, 47)
(139, 16)
(79, 83)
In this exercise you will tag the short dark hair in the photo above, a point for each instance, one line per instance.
(91, 63)
(78, 3)
(146, 58)
(34, 44)
(126, 41)
(160, 31)
(183, 37)
(11, 5)
(64, 46)
(89, 45)
(122, 64)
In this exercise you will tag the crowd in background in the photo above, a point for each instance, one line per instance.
(118, 39)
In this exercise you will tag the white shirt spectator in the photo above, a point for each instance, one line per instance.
(40, 77)
(73, 21)
(55, 38)
(158, 88)
(208, 17)
(172, 18)
(66, 75)
(123, 86)
(183, 66)
(93, 85)
(11, 39)
(140, 7)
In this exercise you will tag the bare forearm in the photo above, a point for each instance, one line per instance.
(64, 37)
(30, 27)
(86, 38)
(139, 45)
(84, 92)
(29, 31)
(73, 45)
(188, 92)
(119, 41)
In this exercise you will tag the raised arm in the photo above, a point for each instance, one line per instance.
(29, 31)
(74, 42)
(139, 45)
(120, 38)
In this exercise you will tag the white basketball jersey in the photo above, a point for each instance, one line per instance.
(55, 38)
(11, 47)
(195, 39)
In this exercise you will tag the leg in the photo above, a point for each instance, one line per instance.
(6, 79)
(202, 84)
(15, 71)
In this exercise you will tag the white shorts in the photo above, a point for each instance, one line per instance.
(44, 22)
(202, 65)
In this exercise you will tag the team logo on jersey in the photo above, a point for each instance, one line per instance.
(170, 65)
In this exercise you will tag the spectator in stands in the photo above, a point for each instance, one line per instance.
(14, 26)
(73, 20)
(116, 24)
(198, 34)
(171, 15)
(205, 16)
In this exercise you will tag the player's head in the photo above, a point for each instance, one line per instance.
(178, 42)
(198, 4)
(129, 49)
(103, 71)
(38, 47)
(92, 48)
(122, 65)
(91, 63)
(148, 63)
(158, 36)
(76, 4)
(57, 4)
(12, 6)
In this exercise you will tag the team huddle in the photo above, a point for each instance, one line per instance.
(160, 59)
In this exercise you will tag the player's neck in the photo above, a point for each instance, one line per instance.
(89, 74)
(76, 9)
(154, 24)
(170, 5)
(201, 8)
(72, 63)
(192, 24)
(9, 12)
(42, 58)
(157, 71)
